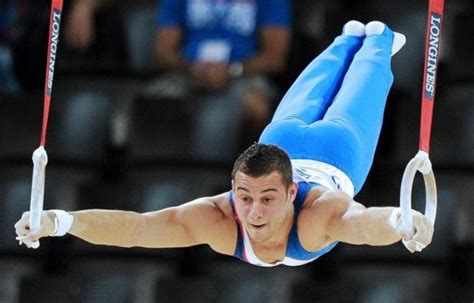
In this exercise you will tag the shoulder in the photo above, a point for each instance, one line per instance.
(218, 217)
(319, 208)
(208, 210)
(220, 206)
(326, 203)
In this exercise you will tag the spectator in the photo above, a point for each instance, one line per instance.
(222, 51)
(13, 23)
(79, 31)
(23, 39)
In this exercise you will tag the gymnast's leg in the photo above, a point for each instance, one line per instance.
(348, 134)
(313, 91)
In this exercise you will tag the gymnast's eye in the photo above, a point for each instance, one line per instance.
(245, 199)
(268, 199)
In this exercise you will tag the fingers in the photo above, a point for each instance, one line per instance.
(410, 245)
(413, 246)
(397, 223)
(424, 229)
(403, 233)
(30, 240)
(21, 231)
(22, 226)
(423, 234)
(28, 237)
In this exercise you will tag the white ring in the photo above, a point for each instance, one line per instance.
(422, 163)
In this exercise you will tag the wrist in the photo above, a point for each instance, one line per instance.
(395, 217)
(236, 69)
(62, 222)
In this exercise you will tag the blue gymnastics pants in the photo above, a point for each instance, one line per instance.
(333, 112)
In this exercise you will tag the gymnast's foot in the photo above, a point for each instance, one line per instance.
(377, 28)
(354, 28)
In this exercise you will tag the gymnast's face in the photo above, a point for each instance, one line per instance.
(264, 205)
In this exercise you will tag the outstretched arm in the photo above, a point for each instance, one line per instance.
(348, 221)
(198, 222)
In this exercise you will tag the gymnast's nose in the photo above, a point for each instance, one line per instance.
(256, 212)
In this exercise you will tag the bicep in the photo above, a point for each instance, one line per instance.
(200, 219)
(192, 223)
(334, 216)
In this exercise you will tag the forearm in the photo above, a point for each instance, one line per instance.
(196, 222)
(168, 50)
(360, 225)
(263, 63)
(186, 225)
(159, 229)
(107, 227)
(376, 228)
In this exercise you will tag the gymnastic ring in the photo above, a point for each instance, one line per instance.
(421, 162)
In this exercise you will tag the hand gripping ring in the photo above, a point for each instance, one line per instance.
(421, 163)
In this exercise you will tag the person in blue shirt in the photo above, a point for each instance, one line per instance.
(222, 52)
(24, 39)
(292, 192)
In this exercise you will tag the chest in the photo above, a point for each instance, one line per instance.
(237, 16)
(270, 255)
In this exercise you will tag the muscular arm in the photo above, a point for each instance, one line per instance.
(193, 223)
(335, 216)
(168, 49)
(274, 44)
(202, 221)
(353, 223)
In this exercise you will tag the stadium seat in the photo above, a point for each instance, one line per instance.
(13, 269)
(462, 49)
(367, 284)
(160, 130)
(140, 36)
(20, 126)
(15, 192)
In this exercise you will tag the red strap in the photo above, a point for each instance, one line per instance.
(433, 34)
(54, 25)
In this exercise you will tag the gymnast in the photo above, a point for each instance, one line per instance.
(292, 192)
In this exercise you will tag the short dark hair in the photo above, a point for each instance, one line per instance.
(262, 159)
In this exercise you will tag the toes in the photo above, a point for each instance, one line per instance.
(354, 28)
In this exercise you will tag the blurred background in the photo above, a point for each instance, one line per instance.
(115, 143)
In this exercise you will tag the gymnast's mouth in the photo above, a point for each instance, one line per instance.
(258, 226)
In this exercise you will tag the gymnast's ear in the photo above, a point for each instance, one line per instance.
(293, 189)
